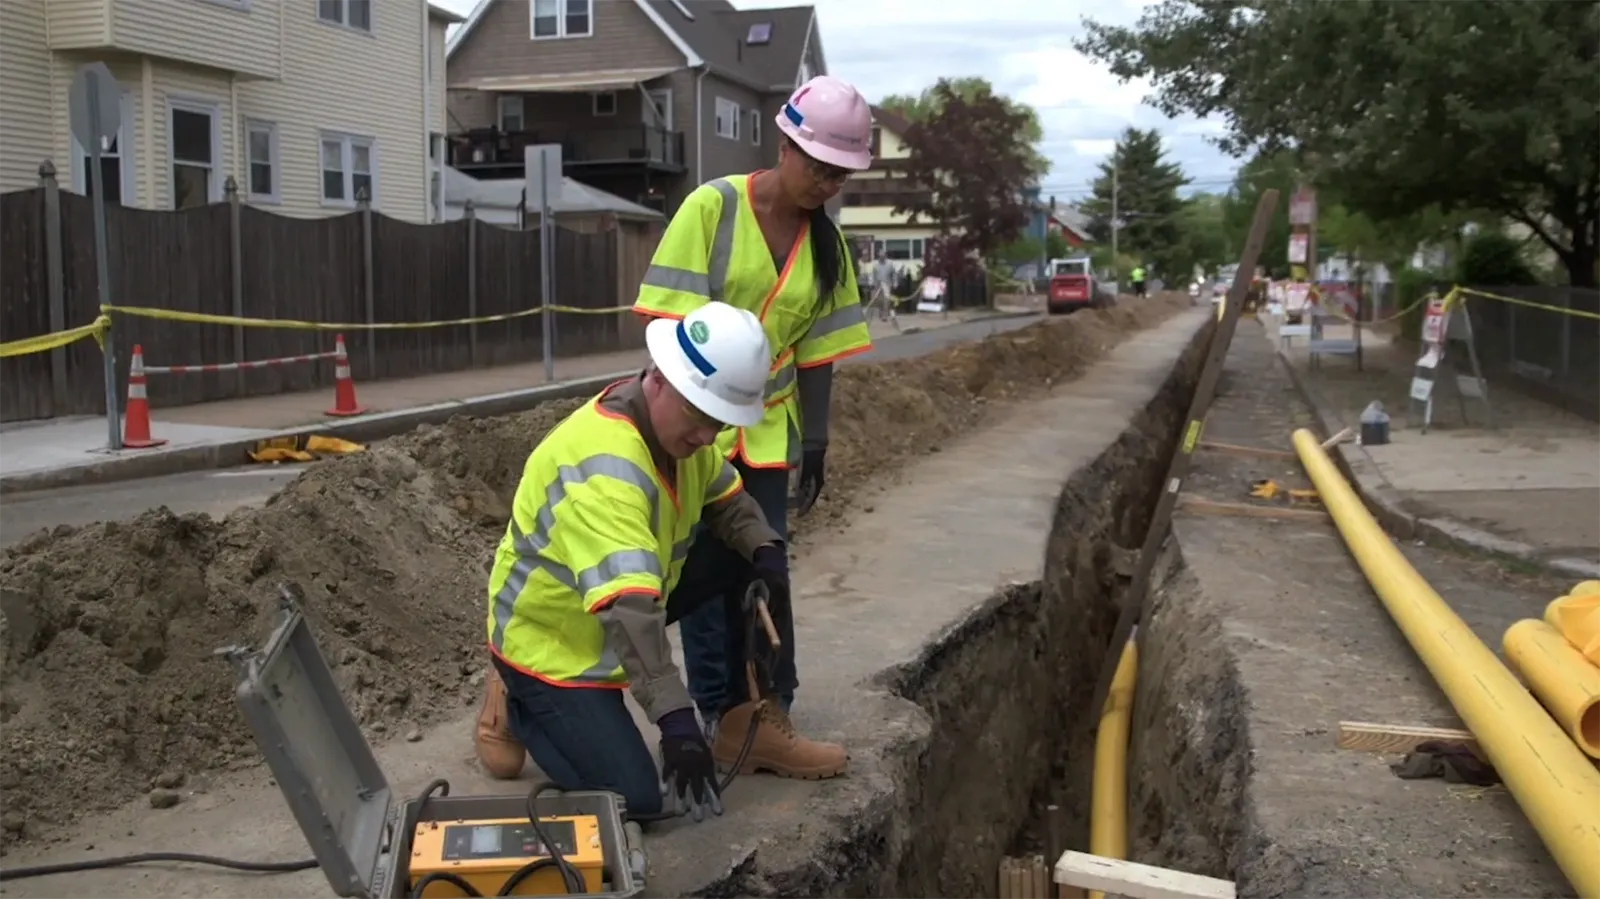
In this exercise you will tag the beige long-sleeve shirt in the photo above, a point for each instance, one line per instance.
(636, 624)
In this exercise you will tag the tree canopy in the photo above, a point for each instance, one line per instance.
(1489, 105)
(1146, 184)
(921, 107)
(967, 168)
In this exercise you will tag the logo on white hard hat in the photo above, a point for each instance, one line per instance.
(699, 332)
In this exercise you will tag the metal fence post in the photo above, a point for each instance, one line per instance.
(364, 200)
(230, 189)
(54, 278)
(1566, 334)
(470, 213)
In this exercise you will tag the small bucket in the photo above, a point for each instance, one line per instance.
(1374, 433)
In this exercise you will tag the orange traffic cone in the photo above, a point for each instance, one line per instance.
(344, 389)
(136, 423)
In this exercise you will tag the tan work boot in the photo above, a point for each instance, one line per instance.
(778, 747)
(499, 751)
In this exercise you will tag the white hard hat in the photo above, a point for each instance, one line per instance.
(717, 357)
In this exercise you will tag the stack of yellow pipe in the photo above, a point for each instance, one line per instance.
(1556, 786)
(1557, 658)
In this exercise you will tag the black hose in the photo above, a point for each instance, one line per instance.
(440, 787)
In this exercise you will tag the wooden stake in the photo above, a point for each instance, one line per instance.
(1202, 506)
(1135, 881)
(1234, 449)
(1365, 736)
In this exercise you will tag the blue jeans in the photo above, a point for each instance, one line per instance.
(715, 684)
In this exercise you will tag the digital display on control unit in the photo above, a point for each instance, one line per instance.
(486, 840)
(474, 841)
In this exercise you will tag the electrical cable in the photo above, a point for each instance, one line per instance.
(570, 877)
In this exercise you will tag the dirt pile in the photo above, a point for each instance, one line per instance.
(108, 685)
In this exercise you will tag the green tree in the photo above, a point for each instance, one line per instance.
(920, 107)
(1274, 171)
(1483, 105)
(965, 174)
(1146, 185)
(1203, 240)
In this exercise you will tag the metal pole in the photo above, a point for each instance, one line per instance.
(1116, 186)
(102, 263)
(547, 240)
(60, 396)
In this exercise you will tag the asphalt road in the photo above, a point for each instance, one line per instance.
(220, 492)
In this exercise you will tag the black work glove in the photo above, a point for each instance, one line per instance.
(687, 769)
(812, 463)
(770, 565)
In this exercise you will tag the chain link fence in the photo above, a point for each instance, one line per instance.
(1543, 341)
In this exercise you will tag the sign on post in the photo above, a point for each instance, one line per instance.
(541, 170)
(94, 106)
(94, 113)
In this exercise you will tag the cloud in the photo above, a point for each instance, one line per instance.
(903, 46)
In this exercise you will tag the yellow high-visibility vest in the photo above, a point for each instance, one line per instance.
(713, 249)
(592, 519)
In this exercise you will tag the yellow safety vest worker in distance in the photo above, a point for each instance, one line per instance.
(593, 518)
(713, 249)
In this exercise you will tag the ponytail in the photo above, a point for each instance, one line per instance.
(827, 252)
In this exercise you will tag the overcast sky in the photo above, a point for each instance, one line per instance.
(902, 46)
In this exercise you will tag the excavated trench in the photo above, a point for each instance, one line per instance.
(1007, 694)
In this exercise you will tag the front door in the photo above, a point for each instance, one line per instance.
(656, 113)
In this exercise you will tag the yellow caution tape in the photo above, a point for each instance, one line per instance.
(206, 318)
(1561, 310)
(44, 343)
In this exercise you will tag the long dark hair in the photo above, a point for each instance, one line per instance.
(827, 252)
(827, 244)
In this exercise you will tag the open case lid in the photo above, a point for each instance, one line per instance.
(311, 741)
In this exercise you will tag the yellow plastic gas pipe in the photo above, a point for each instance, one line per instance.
(1567, 683)
(1108, 802)
(1557, 788)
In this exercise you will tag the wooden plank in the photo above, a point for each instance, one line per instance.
(1202, 506)
(1365, 736)
(1137, 596)
(1234, 449)
(1115, 877)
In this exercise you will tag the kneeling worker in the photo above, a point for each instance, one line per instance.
(591, 569)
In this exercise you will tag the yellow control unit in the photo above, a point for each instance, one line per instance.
(487, 853)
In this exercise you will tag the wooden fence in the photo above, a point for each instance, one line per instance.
(233, 259)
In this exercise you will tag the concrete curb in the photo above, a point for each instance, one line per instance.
(362, 430)
(1388, 505)
(136, 465)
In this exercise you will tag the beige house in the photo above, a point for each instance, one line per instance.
(304, 102)
(870, 198)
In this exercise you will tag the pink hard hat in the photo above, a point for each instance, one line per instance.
(831, 122)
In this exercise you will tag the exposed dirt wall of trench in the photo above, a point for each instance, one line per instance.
(1006, 692)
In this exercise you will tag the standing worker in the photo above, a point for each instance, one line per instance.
(1138, 280)
(593, 564)
(763, 242)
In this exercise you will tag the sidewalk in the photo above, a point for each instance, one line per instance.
(58, 452)
(1528, 487)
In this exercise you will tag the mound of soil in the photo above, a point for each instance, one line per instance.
(108, 682)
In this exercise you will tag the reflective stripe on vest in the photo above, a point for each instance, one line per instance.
(547, 580)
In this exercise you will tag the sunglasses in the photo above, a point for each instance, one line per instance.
(700, 419)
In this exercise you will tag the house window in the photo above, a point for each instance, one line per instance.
(755, 127)
(510, 113)
(727, 119)
(605, 103)
(903, 249)
(192, 141)
(561, 18)
(261, 154)
(348, 166)
(355, 14)
(758, 33)
(112, 161)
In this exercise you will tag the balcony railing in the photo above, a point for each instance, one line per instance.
(491, 149)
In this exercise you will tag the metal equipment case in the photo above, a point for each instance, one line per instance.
(343, 802)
